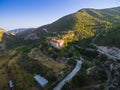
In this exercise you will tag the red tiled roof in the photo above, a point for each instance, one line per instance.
(54, 41)
(57, 41)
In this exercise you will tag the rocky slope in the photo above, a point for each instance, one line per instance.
(19, 30)
(4, 38)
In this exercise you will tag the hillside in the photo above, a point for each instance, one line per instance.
(86, 19)
(84, 23)
(29, 52)
(1, 34)
(5, 38)
(20, 30)
(110, 38)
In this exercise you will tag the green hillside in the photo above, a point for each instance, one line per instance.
(110, 38)
(84, 23)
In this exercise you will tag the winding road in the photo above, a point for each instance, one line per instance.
(110, 79)
(69, 76)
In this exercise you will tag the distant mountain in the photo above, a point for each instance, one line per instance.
(20, 30)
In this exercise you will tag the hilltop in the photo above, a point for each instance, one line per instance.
(84, 23)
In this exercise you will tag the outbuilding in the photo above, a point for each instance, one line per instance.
(41, 80)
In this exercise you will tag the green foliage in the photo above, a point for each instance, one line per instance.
(23, 49)
(86, 64)
(15, 42)
(112, 88)
(103, 57)
(110, 38)
(71, 62)
(51, 78)
(88, 53)
(97, 63)
(66, 86)
(102, 75)
(31, 66)
(81, 79)
(84, 23)
(4, 87)
(29, 78)
(102, 87)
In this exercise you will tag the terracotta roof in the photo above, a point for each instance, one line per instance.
(54, 41)
(57, 41)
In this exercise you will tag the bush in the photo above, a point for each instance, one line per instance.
(97, 63)
(66, 86)
(81, 79)
(71, 62)
(103, 57)
(112, 88)
(51, 78)
(86, 64)
(102, 75)
(102, 87)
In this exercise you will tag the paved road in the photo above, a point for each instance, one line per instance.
(103, 52)
(110, 80)
(69, 76)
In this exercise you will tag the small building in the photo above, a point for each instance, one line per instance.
(41, 80)
(11, 85)
(57, 43)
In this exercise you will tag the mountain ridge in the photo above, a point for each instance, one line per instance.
(87, 20)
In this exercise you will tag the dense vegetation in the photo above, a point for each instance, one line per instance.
(86, 81)
(110, 38)
(84, 23)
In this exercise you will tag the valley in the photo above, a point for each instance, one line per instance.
(80, 51)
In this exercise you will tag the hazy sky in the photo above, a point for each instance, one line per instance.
(34, 13)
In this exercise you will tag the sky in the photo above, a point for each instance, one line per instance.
(35, 13)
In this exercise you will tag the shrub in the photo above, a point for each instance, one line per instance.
(103, 57)
(66, 86)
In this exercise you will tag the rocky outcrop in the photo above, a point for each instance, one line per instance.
(31, 36)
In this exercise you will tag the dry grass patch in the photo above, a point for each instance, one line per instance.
(46, 61)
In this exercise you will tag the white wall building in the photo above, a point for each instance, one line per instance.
(57, 43)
